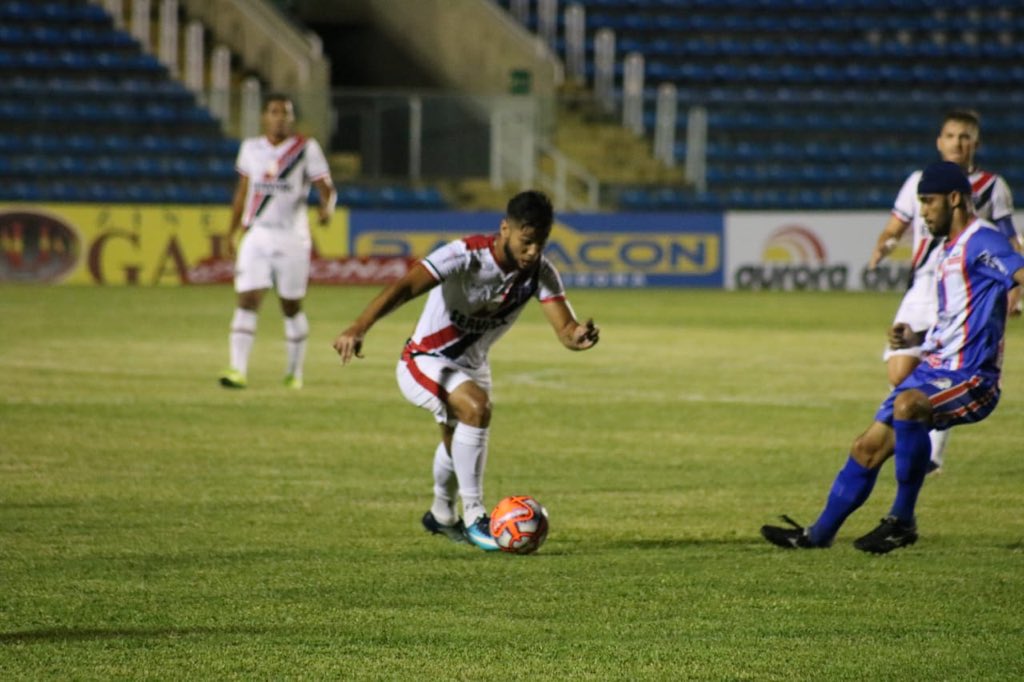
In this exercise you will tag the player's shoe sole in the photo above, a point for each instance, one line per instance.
(890, 534)
(479, 535)
(232, 378)
(293, 382)
(455, 532)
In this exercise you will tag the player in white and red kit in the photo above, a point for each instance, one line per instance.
(477, 288)
(275, 173)
(957, 142)
(958, 381)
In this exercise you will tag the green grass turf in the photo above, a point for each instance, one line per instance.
(156, 526)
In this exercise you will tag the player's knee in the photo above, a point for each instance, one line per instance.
(472, 406)
(249, 300)
(291, 308)
(912, 405)
(478, 413)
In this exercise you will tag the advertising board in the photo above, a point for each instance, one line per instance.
(818, 251)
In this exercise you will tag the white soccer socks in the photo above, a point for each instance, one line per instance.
(469, 457)
(446, 487)
(296, 331)
(939, 440)
(243, 334)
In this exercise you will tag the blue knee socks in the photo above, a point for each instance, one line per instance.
(913, 450)
(851, 488)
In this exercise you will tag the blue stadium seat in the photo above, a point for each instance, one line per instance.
(21, 191)
(210, 193)
(107, 166)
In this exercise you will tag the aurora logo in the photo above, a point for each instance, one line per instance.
(793, 257)
(794, 244)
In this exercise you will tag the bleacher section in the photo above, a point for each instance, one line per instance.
(825, 103)
(88, 116)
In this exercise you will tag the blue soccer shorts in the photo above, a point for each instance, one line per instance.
(957, 397)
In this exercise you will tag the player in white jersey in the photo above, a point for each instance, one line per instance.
(477, 288)
(959, 381)
(275, 173)
(957, 142)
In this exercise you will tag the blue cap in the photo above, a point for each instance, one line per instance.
(943, 177)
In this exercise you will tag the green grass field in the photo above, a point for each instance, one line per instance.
(156, 526)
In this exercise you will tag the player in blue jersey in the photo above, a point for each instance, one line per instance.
(956, 383)
(958, 141)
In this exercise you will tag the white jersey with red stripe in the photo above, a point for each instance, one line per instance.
(992, 201)
(279, 180)
(477, 301)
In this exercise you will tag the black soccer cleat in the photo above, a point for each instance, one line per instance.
(891, 534)
(455, 532)
(795, 537)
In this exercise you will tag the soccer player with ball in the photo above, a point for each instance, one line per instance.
(477, 288)
(957, 381)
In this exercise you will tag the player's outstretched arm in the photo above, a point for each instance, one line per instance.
(349, 343)
(891, 234)
(574, 335)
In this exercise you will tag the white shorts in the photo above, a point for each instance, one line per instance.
(268, 257)
(919, 309)
(427, 380)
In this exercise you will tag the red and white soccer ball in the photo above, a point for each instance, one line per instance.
(519, 524)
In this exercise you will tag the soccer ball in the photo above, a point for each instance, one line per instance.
(519, 524)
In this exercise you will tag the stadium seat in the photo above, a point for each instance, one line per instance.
(811, 74)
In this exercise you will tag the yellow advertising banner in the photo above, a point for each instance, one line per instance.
(132, 244)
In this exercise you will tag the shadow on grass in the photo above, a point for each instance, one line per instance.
(94, 634)
(681, 543)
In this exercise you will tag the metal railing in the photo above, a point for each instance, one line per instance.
(419, 135)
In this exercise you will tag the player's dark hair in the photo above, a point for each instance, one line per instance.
(965, 116)
(532, 208)
(276, 97)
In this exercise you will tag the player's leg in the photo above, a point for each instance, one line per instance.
(296, 333)
(940, 399)
(911, 424)
(854, 482)
(446, 484)
(939, 440)
(291, 272)
(242, 337)
(900, 363)
(851, 488)
(912, 418)
(470, 404)
(252, 279)
(443, 517)
(430, 382)
(900, 366)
